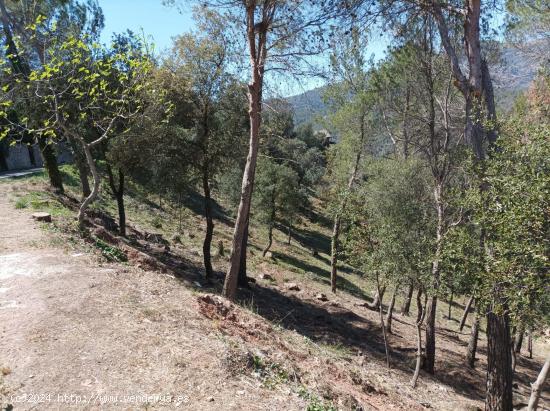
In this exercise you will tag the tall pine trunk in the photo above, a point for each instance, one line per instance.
(499, 363)
(257, 47)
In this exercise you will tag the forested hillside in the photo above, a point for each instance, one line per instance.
(380, 242)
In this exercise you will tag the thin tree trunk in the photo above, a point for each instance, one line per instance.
(407, 303)
(530, 344)
(518, 340)
(289, 233)
(421, 311)
(269, 240)
(334, 253)
(389, 314)
(466, 311)
(118, 194)
(258, 52)
(207, 244)
(472, 343)
(499, 364)
(381, 312)
(80, 161)
(450, 313)
(536, 387)
(377, 299)
(429, 362)
(337, 218)
(97, 182)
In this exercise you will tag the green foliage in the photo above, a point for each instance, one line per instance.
(389, 221)
(513, 211)
(110, 252)
(277, 197)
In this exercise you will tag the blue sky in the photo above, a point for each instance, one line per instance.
(161, 23)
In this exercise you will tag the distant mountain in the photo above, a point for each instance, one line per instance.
(308, 107)
(510, 77)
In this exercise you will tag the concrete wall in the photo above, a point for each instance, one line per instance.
(19, 158)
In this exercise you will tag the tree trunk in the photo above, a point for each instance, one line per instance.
(121, 213)
(450, 313)
(50, 164)
(407, 303)
(243, 279)
(258, 51)
(466, 311)
(334, 253)
(518, 340)
(97, 182)
(269, 240)
(118, 194)
(419, 319)
(337, 217)
(389, 314)
(80, 161)
(472, 343)
(536, 387)
(289, 233)
(207, 244)
(429, 362)
(499, 364)
(530, 344)
(381, 312)
(377, 299)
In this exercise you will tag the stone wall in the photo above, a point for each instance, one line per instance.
(21, 156)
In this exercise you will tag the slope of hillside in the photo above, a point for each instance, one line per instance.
(512, 74)
(152, 326)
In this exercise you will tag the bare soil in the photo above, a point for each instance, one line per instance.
(77, 332)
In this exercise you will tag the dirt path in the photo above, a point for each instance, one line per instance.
(79, 334)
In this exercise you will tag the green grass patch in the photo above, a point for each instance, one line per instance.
(43, 201)
(111, 252)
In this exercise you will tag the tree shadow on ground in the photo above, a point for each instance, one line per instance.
(327, 324)
(323, 275)
(310, 239)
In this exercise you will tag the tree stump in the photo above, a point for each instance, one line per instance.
(40, 216)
